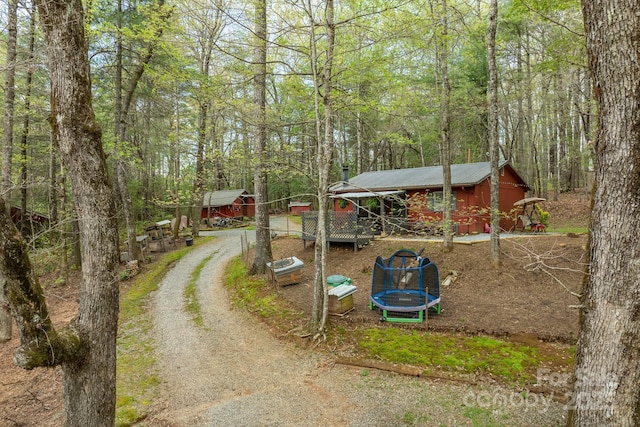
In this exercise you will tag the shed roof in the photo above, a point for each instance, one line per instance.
(299, 204)
(222, 198)
(462, 175)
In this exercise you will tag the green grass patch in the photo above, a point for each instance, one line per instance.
(249, 292)
(512, 363)
(253, 294)
(132, 302)
(136, 377)
(296, 219)
(411, 419)
(192, 304)
(480, 417)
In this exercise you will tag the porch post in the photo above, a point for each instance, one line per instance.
(382, 215)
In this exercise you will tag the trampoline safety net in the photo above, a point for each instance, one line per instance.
(405, 283)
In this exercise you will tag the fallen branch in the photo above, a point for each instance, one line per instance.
(380, 365)
(540, 262)
(561, 284)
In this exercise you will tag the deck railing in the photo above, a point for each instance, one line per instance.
(342, 227)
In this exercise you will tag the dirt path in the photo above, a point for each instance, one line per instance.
(232, 372)
(218, 372)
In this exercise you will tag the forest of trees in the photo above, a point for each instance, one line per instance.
(173, 93)
(177, 97)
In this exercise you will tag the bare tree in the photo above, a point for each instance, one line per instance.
(24, 137)
(206, 24)
(124, 100)
(493, 135)
(324, 158)
(9, 100)
(445, 132)
(86, 348)
(121, 109)
(607, 368)
(7, 142)
(263, 252)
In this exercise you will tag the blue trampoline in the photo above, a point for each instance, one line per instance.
(404, 286)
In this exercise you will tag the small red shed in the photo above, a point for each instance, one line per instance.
(228, 204)
(296, 208)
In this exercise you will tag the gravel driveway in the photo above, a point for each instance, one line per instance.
(232, 372)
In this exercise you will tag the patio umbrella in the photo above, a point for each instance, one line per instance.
(529, 200)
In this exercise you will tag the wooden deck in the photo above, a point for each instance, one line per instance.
(342, 227)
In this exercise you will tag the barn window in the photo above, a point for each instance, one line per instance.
(435, 201)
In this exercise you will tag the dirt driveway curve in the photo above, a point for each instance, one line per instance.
(232, 372)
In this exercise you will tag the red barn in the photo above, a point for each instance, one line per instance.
(416, 194)
(228, 204)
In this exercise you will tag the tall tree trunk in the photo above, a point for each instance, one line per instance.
(493, 136)
(124, 101)
(607, 368)
(9, 99)
(328, 146)
(564, 153)
(89, 366)
(7, 144)
(547, 140)
(198, 184)
(324, 161)
(519, 134)
(359, 140)
(206, 27)
(576, 134)
(120, 172)
(74, 238)
(149, 160)
(554, 168)
(445, 133)
(25, 224)
(54, 211)
(263, 253)
(533, 173)
(175, 146)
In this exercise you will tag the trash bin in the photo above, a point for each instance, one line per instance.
(189, 241)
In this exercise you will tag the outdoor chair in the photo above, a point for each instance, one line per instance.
(531, 225)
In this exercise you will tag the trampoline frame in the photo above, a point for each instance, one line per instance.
(399, 304)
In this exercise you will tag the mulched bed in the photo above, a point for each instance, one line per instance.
(533, 294)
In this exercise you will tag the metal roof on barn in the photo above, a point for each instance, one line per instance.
(462, 175)
(222, 198)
